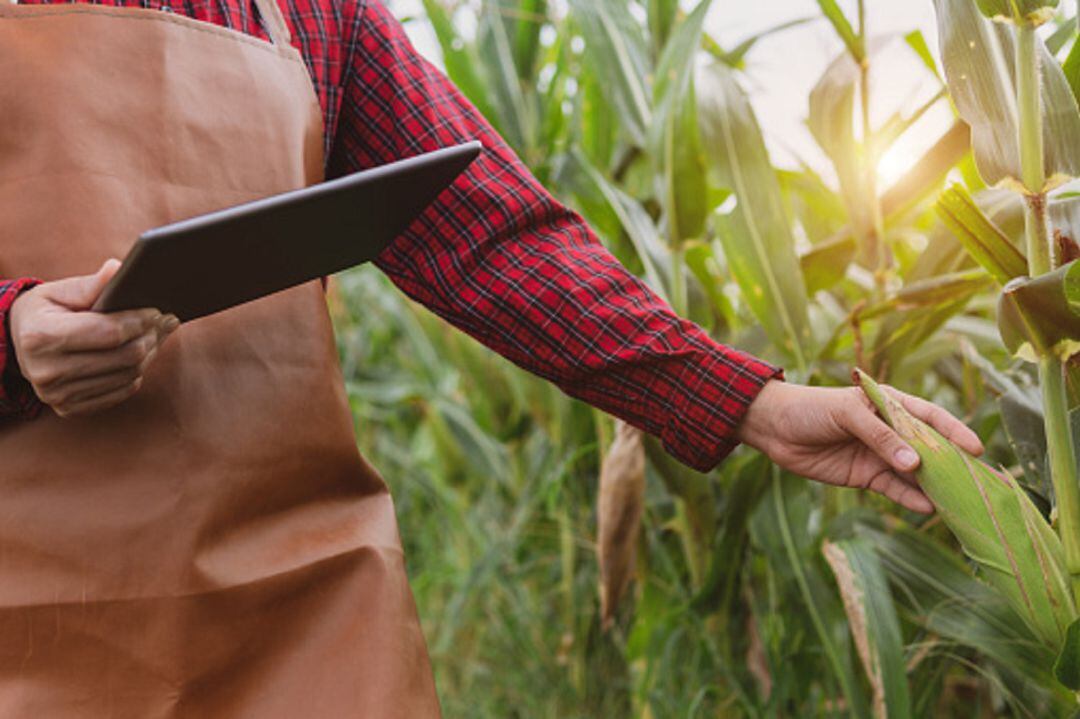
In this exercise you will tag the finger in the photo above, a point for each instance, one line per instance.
(91, 331)
(85, 365)
(166, 325)
(86, 388)
(906, 495)
(953, 429)
(101, 402)
(80, 293)
(868, 428)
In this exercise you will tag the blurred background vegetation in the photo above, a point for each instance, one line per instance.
(820, 243)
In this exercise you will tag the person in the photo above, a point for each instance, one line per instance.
(189, 530)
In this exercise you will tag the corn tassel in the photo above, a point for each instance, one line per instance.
(995, 521)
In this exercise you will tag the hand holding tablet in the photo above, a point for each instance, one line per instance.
(210, 263)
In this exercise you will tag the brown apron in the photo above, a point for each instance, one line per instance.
(216, 546)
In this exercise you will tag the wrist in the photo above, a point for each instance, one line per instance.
(757, 425)
(11, 365)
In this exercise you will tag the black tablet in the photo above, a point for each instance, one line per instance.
(219, 260)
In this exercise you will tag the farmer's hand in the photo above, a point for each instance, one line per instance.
(78, 361)
(834, 436)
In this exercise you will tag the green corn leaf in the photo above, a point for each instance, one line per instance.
(831, 120)
(674, 140)
(852, 40)
(900, 122)
(983, 240)
(529, 21)
(926, 175)
(742, 494)
(782, 528)
(736, 57)
(496, 51)
(756, 236)
(936, 590)
(1032, 11)
(827, 263)
(598, 127)
(874, 625)
(996, 523)
(460, 60)
(1042, 315)
(979, 58)
(616, 46)
(1067, 666)
(930, 293)
(1060, 37)
(1071, 68)
(917, 42)
(661, 16)
(637, 224)
(1021, 415)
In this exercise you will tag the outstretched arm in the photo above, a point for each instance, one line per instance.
(499, 258)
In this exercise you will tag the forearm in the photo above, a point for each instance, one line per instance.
(550, 298)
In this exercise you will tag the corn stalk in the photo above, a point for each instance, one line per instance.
(1041, 261)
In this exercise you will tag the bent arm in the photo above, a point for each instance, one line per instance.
(498, 257)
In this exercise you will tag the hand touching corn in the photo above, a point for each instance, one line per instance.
(994, 520)
(833, 435)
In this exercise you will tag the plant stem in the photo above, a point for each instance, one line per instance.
(1031, 149)
(879, 256)
(1062, 463)
(1051, 371)
(879, 253)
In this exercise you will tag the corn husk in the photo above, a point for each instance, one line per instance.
(997, 524)
(622, 498)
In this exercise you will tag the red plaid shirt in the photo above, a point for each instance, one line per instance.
(496, 256)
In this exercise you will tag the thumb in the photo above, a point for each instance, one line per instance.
(80, 293)
(880, 438)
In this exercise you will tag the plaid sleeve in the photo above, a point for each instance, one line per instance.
(17, 398)
(499, 258)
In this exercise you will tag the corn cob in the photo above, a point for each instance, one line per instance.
(997, 524)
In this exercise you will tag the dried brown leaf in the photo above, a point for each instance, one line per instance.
(621, 501)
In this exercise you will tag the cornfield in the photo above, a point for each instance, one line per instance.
(564, 566)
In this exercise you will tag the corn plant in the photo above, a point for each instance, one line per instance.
(1026, 136)
(756, 594)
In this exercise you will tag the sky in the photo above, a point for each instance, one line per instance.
(783, 69)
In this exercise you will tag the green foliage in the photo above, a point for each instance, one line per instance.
(980, 65)
(982, 239)
(1067, 666)
(1041, 316)
(634, 115)
(756, 235)
(874, 623)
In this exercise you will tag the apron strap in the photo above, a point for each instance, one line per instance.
(274, 21)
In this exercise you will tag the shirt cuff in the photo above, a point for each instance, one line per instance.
(17, 397)
(721, 388)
